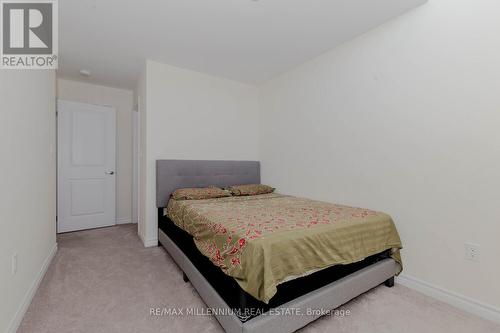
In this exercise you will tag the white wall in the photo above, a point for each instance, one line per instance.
(27, 186)
(122, 101)
(404, 119)
(190, 115)
(141, 101)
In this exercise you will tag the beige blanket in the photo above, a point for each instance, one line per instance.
(263, 240)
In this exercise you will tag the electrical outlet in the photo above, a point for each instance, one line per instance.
(472, 252)
(14, 264)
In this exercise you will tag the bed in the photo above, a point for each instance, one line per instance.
(257, 295)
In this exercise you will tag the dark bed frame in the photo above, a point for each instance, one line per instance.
(326, 289)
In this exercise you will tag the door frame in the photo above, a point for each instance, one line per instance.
(135, 166)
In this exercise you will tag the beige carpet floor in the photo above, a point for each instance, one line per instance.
(104, 280)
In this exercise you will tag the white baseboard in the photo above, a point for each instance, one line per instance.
(459, 301)
(123, 220)
(28, 297)
(148, 242)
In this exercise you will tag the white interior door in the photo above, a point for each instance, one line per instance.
(86, 166)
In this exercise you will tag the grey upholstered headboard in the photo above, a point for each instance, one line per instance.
(175, 174)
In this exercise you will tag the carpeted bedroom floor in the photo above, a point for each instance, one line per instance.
(104, 280)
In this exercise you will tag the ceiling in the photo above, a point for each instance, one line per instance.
(244, 40)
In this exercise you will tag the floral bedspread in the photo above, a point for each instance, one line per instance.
(264, 240)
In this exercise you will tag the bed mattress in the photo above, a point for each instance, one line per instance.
(264, 240)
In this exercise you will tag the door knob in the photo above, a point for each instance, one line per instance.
(110, 172)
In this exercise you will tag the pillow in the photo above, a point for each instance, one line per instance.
(250, 189)
(200, 193)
